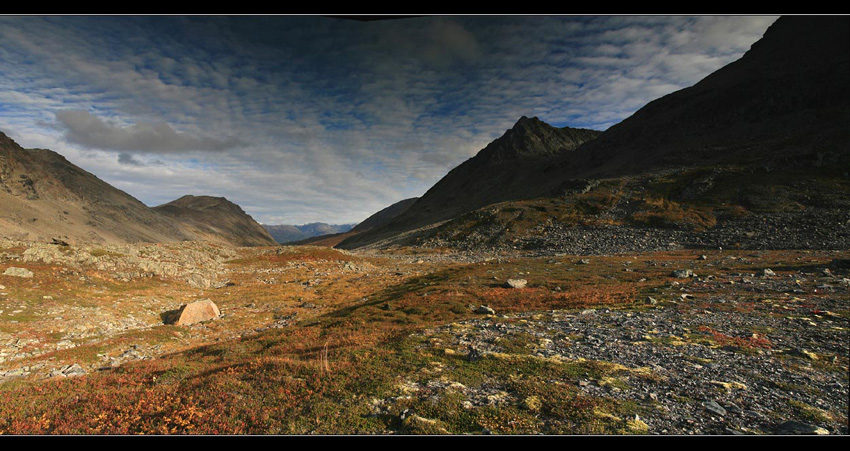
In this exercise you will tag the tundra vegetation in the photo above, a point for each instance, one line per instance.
(313, 340)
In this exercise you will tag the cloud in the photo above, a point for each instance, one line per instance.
(89, 131)
(128, 159)
(307, 118)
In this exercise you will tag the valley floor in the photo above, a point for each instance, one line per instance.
(313, 340)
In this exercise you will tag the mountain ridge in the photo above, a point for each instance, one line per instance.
(488, 177)
(783, 106)
(46, 197)
(216, 219)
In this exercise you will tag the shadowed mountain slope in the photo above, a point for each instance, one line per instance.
(783, 106)
(497, 173)
(786, 100)
(46, 197)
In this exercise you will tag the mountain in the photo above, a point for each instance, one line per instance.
(384, 216)
(378, 219)
(760, 147)
(44, 196)
(215, 219)
(321, 228)
(782, 103)
(285, 233)
(494, 174)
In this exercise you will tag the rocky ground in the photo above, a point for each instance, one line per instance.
(725, 342)
(764, 231)
(769, 356)
(72, 310)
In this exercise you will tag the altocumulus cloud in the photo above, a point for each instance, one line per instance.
(158, 137)
(306, 118)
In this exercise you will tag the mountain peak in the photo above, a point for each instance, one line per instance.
(525, 120)
(530, 138)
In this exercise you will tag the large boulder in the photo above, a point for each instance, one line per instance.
(196, 312)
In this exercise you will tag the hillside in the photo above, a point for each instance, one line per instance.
(497, 173)
(44, 196)
(785, 103)
(758, 146)
(215, 219)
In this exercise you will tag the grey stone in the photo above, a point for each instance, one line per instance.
(197, 280)
(714, 408)
(73, 370)
(18, 272)
(798, 428)
(516, 283)
(682, 273)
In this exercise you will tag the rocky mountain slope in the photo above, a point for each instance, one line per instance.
(495, 174)
(757, 148)
(216, 219)
(44, 196)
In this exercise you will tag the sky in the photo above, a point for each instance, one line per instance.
(303, 119)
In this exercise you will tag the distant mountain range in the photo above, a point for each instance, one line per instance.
(767, 134)
(285, 233)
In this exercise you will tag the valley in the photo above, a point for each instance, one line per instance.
(313, 340)
(684, 272)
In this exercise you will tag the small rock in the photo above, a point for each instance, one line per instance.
(197, 280)
(714, 408)
(18, 272)
(73, 370)
(584, 261)
(485, 310)
(798, 428)
(532, 403)
(516, 283)
(767, 272)
(702, 257)
(682, 273)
